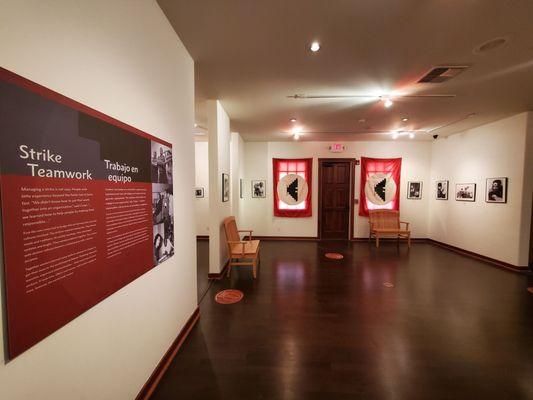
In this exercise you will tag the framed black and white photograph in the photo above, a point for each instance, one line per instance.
(465, 191)
(258, 189)
(442, 190)
(496, 190)
(414, 190)
(241, 194)
(162, 221)
(225, 187)
(199, 192)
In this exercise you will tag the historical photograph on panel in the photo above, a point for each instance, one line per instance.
(442, 190)
(163, 243)
(465, 192)
(163, 221)
(258, 189)
(414, 190)
(161, 157)
(496, 191)
(225, 187)
(199, 192)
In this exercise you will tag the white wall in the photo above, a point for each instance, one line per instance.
(123, 58)
(258, 213)
(493, 230)
(218, 127)
(201, 166)
(527, 196)
(237, 173)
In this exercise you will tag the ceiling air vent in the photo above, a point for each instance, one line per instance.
(442, 74)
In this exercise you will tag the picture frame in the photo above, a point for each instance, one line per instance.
(258, 189)
(199, 192)
(496, 190)
(465, 192)
(225, 188)
(441, 190)
(414, 190)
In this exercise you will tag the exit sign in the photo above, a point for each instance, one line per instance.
(336, 148)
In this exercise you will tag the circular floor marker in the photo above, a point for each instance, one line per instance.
(388, 284)
(530, 289)
(334, 256)
(229, 296)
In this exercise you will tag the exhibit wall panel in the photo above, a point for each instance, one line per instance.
(258, 212)
(493, 150)
(201, 165)
(123, 59)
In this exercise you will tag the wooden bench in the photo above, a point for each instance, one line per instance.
(240, 252)
(387, 223)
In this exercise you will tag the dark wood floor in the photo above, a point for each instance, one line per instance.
(309, 328)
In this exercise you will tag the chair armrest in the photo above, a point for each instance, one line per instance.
(238, 242)
(247, 230)
(406, 224)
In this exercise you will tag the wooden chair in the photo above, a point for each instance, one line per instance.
(387, 223)
(244, 252)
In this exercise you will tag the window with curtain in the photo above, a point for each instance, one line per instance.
(293, 179)
(380, 184)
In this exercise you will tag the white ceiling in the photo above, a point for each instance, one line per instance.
(251, 54)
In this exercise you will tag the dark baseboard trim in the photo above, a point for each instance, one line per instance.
(152, 382)
(202, 237)
(492, 261)
(302, 238)
(220, 275)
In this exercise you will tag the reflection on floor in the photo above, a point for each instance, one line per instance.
(449, 327)
(202, 256)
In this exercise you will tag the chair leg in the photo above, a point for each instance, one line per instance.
(409, 240)
(229, 269)
(254, 268)
(377, 239)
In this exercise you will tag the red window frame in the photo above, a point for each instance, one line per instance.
(302, 167)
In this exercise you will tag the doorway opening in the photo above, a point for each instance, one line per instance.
(335, 198)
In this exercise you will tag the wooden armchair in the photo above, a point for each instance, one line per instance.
(387, 223)
(240, 252)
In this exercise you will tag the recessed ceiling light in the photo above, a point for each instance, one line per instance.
(293, 119)
(405, 119)
(361, 120)
(315, 46)
(296, 130)
(491, 44)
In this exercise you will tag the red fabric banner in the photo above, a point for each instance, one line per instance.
(300, 207)
(380, 184)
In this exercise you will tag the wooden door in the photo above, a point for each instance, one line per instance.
(335, 182)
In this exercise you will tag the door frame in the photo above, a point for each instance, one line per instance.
(353, 163)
